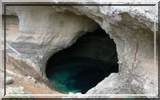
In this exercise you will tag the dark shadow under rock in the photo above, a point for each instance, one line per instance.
(83, 65)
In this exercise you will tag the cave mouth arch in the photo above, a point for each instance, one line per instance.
(83, 65)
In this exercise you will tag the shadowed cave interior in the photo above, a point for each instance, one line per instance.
(83, 65)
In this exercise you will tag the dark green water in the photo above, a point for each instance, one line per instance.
(83, 65)
(78, 74)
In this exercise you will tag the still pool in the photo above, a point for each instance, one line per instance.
(78, 74)
(83, 65)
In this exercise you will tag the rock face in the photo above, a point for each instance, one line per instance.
(44, 31)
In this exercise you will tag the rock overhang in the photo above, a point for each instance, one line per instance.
(112, 21)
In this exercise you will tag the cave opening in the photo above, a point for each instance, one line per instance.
(83, 65)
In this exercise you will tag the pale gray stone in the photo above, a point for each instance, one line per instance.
(44, 31)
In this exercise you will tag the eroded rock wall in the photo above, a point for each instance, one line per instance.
(43, 31)
(46, 30)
